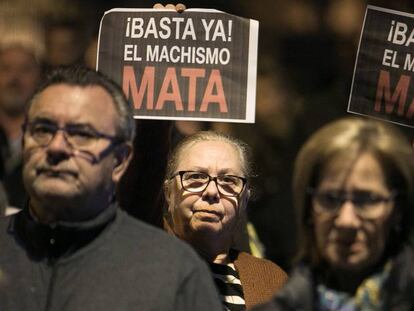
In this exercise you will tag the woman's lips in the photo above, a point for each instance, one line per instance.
(349, 245)
(206, 214)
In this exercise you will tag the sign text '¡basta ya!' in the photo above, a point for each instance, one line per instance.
(180, 29)
(170, 89)
(399, 34)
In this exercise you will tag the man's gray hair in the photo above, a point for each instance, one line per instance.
(83, 77)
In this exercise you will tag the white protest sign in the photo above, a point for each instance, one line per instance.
(195, 65)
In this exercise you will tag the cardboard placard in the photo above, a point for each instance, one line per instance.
(196, 65)
(381, 87)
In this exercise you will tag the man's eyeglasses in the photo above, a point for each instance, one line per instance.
(227, 185)
(79, 137)
(367, 204)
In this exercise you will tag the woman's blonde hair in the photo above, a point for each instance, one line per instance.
(348, 138)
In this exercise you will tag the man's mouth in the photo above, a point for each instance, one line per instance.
(56, 172)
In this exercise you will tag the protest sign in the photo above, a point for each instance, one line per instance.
(197, 65)
(381, 86)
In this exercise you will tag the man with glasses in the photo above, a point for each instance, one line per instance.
(72, 248)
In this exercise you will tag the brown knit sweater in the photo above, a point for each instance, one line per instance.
(260, 278)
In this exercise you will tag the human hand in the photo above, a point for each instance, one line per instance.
(179, 7)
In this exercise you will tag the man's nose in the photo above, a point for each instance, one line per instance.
(347, 216)
(59, 148)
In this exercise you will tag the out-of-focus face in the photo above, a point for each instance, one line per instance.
(19, 76)
(57, 175)
(352, 237)
(63, 46)
(208, 215)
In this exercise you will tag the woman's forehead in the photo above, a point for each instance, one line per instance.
(362, 169)
(215, 153)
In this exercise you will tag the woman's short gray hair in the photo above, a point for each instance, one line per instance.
(241, 147)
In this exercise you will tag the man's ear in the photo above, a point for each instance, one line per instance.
(123, 156)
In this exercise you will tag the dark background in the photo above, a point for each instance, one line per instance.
(307, 52)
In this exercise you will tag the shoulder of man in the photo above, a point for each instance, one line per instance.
(169, 260)
(141, 234)
(153, 247)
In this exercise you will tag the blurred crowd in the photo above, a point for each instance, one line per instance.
(307, 51)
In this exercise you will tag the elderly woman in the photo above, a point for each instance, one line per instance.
(207, 191)
(353, 188)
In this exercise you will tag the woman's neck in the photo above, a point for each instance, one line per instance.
(210, 250)
(211, 254)
(345, 281)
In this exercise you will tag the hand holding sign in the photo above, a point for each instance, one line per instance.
(179, 7)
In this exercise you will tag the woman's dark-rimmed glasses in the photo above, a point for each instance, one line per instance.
(227, 185)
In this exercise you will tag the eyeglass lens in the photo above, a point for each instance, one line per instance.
(365, 202)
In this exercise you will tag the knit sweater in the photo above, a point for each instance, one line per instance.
(260, 278)
(112, 262)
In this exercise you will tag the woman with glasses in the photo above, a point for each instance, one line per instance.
(353, 192)
(206, 190)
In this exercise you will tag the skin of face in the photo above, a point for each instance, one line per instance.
(345, 240)
(62, 184)
(19, 76)
(206, 220)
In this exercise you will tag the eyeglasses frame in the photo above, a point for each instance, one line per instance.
(181, 173)
(114, 141)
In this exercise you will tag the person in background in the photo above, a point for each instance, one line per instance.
(207, 190)
(71, 247)
(21, 58)
(65, 41)
(353, 191)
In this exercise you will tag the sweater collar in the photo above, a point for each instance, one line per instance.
(60, 239)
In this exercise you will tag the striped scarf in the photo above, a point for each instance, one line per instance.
(228, 284)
